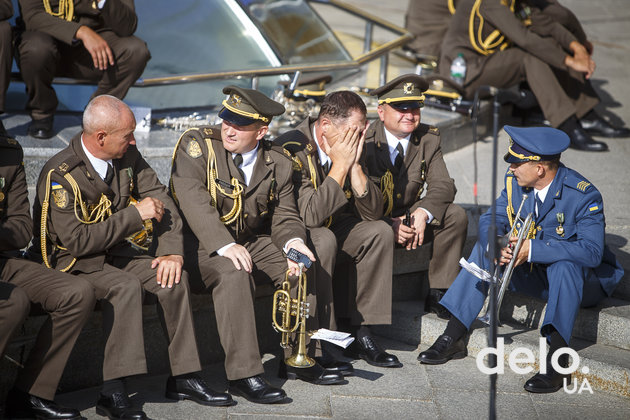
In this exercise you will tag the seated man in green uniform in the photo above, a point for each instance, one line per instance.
(402, 156)
(235, 192)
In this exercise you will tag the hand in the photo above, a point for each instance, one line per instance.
(150, 208)
(581, 61)
(419, 223)
(360, 144)
(300, 246)
(508, 251)
(96, 46)
(344, 151)
(169, 269)
(402, 234)
(240, 257)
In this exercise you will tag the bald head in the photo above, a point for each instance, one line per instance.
(108, 126)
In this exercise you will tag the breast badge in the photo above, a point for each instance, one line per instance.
(60, 196)
(193, 150)
(560, 220)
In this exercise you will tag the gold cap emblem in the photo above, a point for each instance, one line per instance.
(408, 88)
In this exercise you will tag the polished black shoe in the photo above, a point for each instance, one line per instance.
(432, 304)
(443, 350)
(118, 406)
(550, 381)
(330, 364)
(315, 374)
(195, 389)
(600, 127)
(366, 348)
(581, 140)
(21, 405)
(257, 390)
(41, 129)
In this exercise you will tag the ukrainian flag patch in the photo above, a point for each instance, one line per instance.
(593, 208)
(56, 185)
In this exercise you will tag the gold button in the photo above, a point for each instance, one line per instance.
(245, 216)
(399, 195)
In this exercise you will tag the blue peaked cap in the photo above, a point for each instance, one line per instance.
(535, 144)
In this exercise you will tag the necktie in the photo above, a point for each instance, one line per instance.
(238, 161)
(109, 175)
(326, 167)
(539, 204)
(398, 162)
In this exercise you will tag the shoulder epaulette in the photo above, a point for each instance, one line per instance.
(580, 185)
(210, 131)
(425, 128)
(294, 141)
(68, 164)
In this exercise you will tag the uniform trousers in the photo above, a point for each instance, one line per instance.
(565, 285)
(42, 57)
(6, 60)
(560, 93)
(69, 302)
(448, 244)
(363, 272)
(119, 286)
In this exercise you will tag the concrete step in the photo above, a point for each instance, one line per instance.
(600, 335)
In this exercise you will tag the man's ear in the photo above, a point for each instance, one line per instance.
(260, 134)
(100, 137)
(381, 112)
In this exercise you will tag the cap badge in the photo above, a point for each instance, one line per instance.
(235, 100)
(408, 88)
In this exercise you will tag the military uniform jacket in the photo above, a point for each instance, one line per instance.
(15, 219)
(423, 165)
(91, 243)
(569, 227)
(328, 199)
(118, 16)
(268, 202)
(6, 10)
(545, 38)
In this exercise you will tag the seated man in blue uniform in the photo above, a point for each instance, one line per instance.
(564, 259)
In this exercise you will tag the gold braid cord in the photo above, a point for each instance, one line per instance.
(313, 174)
(88, 216)
(65, 10)
(495, 40)
(511, 214)
(234, 215)
(387, 188)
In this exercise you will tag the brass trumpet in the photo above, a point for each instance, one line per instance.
(294, 312)
(141, 240)
(524, 228)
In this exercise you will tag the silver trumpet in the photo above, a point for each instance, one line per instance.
(523, 229)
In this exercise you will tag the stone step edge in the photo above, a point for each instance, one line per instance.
(609, 367)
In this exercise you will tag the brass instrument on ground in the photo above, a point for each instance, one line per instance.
(523, 230)
(294, 312)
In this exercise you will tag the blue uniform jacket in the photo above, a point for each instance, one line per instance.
(574, 204)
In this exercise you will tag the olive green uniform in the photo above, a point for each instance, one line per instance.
(68, 301)
(49, 48)
(534, 53)
(423, 166)
(268, 219)
(6, 53)
(364, 243)
(99, 253)
(428, 21)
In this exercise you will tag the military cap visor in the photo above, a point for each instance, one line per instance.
(246, 106)
(534, 144)
(405, 88)
(406, 105)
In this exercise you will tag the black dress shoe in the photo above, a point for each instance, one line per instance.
(550, 381)
(443, 350)
(330, 364)
(21, 405)
(256, 390)
(581, 140)
(600, 127)
(366, 348)
(41, 129)
(118, 406)
(432, 304)
(195, 389)
(315, 374)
